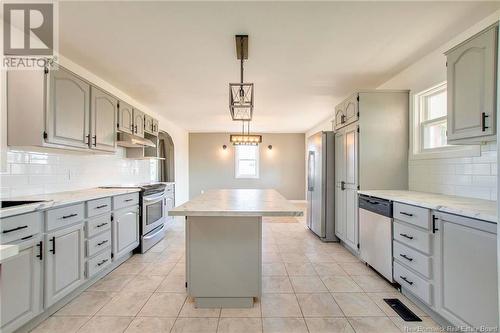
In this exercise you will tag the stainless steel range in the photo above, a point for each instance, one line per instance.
(155, 199)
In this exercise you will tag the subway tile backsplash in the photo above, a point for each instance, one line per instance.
(29, 173)
(474, 177)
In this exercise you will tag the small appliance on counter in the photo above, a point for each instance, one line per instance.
(155, 199)
(375, 234)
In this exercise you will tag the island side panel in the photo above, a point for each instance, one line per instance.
(224, 260)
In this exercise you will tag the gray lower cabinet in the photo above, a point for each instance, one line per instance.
(125, 230)
(64, 262)
(68, 111)
(21, 285)
(468, 282)
(104, 110)
(471, 78)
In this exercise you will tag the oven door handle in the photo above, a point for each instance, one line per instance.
(156, 232)
(155, 198)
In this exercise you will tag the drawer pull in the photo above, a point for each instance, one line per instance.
(15, 229)
(103, 242)
(40, 245)
(406, 280)
(101, 225)
(68, 216)
(407, 214)
(101, 206)
(406, 236)
(127, 200)
(102, 262)
(53, 240)
(406, 257)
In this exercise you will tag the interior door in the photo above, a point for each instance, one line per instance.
(340, 222)
(68, 112)
(64, 263)
(104, 109)
(20, 285)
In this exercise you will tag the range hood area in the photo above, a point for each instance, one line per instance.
(131, 141)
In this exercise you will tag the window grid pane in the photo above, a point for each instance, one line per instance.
(247, 161)
(435, 105)
(434, 134)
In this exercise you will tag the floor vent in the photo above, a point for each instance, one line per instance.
(401, 309)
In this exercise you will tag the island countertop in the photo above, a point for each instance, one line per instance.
(237, 202)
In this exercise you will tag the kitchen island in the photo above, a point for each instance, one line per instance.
(224, 244)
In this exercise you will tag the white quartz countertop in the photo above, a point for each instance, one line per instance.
(237, 202)
(7, 251)
(475, 208)
(52, 200)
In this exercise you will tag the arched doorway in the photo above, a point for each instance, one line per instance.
(166, 168)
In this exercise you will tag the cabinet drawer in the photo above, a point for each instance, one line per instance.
(99, 206)
(411, 214)
(16, 227)
(98, 243)
(413, 259)
(416, 285)
(98, 263)
(125, 200)
(64, 216)
(98, 224)
(412, 237)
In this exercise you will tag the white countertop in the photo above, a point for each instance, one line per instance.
(237, 202)
(475, 208)
(7, 251)
(52, 200)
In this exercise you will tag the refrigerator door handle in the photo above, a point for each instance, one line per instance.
(310, 171)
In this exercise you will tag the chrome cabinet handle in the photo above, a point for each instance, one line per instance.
(405, 279)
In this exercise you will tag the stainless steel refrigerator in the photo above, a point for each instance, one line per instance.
(321, 185)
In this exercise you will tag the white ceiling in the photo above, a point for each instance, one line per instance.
(178, 58)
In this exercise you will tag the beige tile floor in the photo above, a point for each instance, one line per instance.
(308, 286)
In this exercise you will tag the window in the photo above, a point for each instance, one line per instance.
(432, 117)
(247, 161)
(429, 124)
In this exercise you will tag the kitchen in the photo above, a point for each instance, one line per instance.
(352, 189)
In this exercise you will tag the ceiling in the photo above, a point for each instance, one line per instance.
(177, 58)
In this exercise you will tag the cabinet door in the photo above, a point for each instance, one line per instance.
(64, 262)
(21, 286)
(471, 87)
(351, 156)
(148, 124)
(351, 109)
(125, 229)
(339, 116)
(138, 123)
(468, 274)
(156, 128)
(125, 118)
(104, 109)
(68, 109)
(340, 222)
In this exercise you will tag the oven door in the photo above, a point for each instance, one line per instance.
(153, 212)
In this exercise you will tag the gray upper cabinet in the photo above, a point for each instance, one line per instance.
(148, 124)
(125, 118)
(104, 110)
(351, 109)
(68, 111)
(471, 75)
(156, 128)
(339, 116)
(138, 123)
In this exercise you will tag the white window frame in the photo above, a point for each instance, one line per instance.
(237, 160)
(417, 131)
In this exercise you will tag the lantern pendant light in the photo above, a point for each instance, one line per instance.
(241, 94)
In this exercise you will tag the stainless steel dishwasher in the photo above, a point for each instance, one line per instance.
(375, 234)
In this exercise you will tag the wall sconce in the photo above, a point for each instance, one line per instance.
(270, 147)
(224, 147)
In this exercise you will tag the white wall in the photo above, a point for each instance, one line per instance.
(281, 168)
(25, 173)
(465, 176)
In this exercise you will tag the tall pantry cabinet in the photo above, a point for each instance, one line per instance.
(371, 152)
